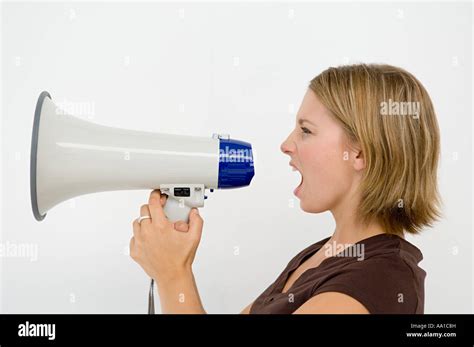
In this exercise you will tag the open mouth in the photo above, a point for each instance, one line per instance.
(298, 188)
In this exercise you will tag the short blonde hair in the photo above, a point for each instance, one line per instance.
(400, 148)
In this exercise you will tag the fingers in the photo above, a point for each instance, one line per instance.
(156, 194)
(195, 223)
(156, 211)
(145, 211)
(132, 248)
(136, 228)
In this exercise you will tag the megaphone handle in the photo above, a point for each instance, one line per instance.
(176, 210)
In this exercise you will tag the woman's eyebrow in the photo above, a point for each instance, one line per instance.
(303, 120)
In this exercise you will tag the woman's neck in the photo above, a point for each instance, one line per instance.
(350, 230)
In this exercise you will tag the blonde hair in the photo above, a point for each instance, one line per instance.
(401, 149)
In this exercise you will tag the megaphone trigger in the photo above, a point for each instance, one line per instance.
(181, 199)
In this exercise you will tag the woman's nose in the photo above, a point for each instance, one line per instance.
(287, 147)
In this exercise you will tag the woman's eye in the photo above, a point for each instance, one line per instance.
(305, 130)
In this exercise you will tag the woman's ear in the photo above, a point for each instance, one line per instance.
(356, 156)
(359, 160)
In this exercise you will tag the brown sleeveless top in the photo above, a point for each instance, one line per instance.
(384, 277)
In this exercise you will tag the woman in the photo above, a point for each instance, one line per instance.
(366, 143)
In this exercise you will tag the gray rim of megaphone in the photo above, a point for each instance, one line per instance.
(34, 152)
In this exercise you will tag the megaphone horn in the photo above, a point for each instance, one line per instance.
(72, 157)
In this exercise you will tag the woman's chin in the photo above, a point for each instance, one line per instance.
(304, 206)
(311, 207)
(308, 205)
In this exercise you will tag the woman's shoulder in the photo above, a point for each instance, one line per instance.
(386, 279)
(384, 250)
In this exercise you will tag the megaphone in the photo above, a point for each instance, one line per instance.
(72, 157)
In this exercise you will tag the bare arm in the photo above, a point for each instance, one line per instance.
(180, 294)
(332, 303)
(247, 309)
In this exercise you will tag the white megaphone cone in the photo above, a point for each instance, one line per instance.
(72, 157)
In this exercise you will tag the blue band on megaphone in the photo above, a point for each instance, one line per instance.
(236, 167)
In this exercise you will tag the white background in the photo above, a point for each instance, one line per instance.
(200, 68)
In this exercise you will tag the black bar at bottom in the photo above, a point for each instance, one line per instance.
(159, 330)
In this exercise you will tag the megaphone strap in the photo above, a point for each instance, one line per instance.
(151, 301)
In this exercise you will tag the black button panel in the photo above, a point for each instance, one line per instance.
(182, 192)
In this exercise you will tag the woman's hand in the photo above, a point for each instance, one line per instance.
(165, 250)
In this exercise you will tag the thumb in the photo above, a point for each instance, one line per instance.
(195, 222)
(181, 226)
